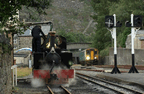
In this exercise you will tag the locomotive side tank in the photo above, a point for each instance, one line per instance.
(53, 62)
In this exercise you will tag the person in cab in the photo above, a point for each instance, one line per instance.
(36, 42)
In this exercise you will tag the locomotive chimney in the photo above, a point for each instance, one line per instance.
(52, 34)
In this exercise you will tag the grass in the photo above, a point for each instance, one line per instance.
(21, 72)
(14, 89)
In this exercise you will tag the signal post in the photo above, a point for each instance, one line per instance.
(136, 21)
(110, 22)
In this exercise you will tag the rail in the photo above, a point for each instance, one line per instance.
(50, 90)
(66, 90)
(86, 77)
(63, 88)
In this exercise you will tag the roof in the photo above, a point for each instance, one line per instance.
(20, 55)
(141, 38)
(27, 49)
(140, 32)
(45, 29)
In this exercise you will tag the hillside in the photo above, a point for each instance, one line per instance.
(66, 15)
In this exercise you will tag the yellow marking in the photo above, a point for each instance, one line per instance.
(92, 55)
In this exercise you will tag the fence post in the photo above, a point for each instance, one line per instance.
(14, 67)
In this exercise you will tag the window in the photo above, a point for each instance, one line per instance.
(15, 47)
(95, 52)
(15, 41)
(88, 52)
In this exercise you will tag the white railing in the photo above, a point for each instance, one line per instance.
(14, 67)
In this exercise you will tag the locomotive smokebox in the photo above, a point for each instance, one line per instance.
(53, 57)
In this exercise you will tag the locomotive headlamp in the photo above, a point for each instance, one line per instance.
(95, 57)
(87, 58)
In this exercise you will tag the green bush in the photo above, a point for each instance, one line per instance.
(104, 52)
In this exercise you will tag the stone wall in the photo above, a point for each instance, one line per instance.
(138, 40)
(124, 57)
(104, 61)
(25, 42)
(5, 73)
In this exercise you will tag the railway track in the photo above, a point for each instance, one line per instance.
(50, 91)
(109, 85)
(65, 91)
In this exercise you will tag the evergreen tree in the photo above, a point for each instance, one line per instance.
(123, 9)
(102, 37)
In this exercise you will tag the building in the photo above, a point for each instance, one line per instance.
(21, 58)
(75, 48)
(25, 40)
(138, 41)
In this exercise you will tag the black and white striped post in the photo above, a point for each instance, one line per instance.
(133, 34)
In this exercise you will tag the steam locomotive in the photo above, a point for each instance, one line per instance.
(54, 61)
